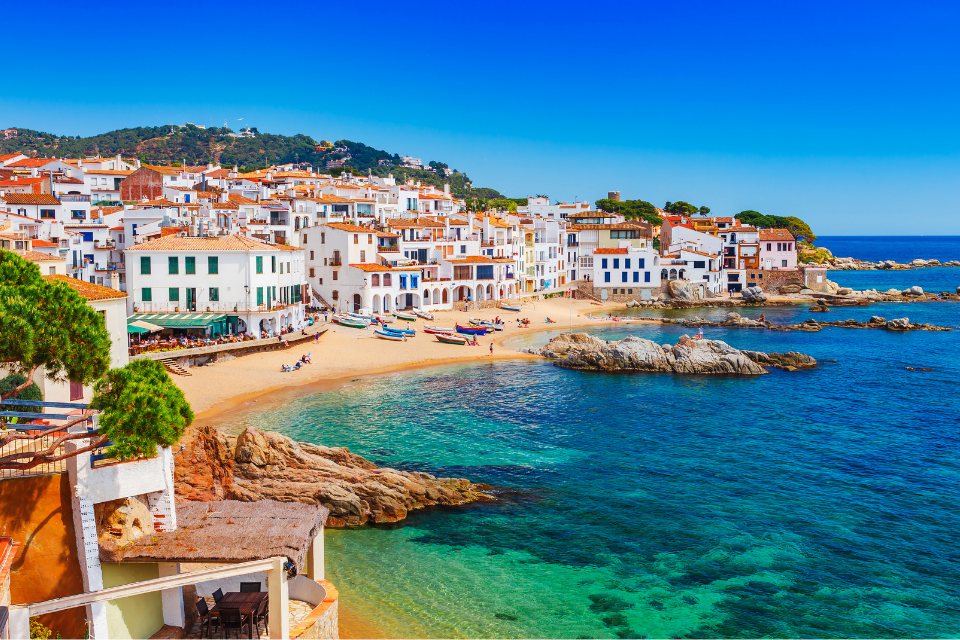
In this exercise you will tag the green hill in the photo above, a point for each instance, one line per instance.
(192, 145)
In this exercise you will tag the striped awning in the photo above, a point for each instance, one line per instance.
(179, 320)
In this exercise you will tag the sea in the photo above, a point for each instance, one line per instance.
(818, 503)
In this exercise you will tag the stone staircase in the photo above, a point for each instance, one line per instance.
(171, 365)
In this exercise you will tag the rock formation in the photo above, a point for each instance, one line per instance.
(754, 294)
(269, 466)
(683, 290)
(584, 351)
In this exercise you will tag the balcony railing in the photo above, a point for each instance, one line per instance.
(74, 197)
(336, 262)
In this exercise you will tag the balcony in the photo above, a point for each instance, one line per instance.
(336, 262)
(74, 197)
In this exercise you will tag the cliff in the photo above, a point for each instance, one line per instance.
(269, 466)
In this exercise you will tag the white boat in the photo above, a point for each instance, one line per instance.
(429, 329)
(389, 335)
(490, 324)
(510, 307)
(423, 314)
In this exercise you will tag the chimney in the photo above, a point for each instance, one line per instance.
(446, 188)
(115, 281)
(119, 160)
(138, 163)
(80, 163)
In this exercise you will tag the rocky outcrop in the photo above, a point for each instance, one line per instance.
(820, 307)
(706, 357)
(683, 290)
(913, 291)
(790, 361)
(263, 465)
(852, 264)
(754, 294)
(788, 289)
(122, 521)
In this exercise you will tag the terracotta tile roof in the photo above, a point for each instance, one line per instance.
(7, 156)
(218, 173)
(620, 226)
(105, 210)
(224, 205)
(610, 250)
(120, 228)
(89, 290)
(352, 228)
(776, 234)
(37, 256)
(206, 194)
(701, 253)
(66, 180)
(384, 234)
(217, 243)
(31, 162)
(108, 172)
(472, 259)
(30, 198)
(741, 228)
(22, 180)
(44, 243)
(167, 171)
(236, 198)
(730, 220)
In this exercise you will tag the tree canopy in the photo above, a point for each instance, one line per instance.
(800, 229)
(45, 323)
(631, 209)
(682, 208)
(140, 408)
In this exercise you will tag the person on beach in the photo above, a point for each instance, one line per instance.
(316, 338)
(763, 318)
(491, 348)
(324, 316)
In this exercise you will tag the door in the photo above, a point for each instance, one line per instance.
(357, 303)
(191, 299)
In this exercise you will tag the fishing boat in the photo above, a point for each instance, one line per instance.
(490, 324)
(359, 316)
(423, 314)
(383, 319)
(403, 315)
(429, 329)
(510, 307)
(356, 323)
(390, 335)
(449, 338)
(473, 331)
(405, 332)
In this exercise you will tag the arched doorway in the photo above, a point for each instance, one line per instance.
(436, 296)
(673, 274)
(681, 274)
(376, 303)
(426, 297)
(445, 299)
(357, 303)
(663, 274)
(489, 292)
(387, 303)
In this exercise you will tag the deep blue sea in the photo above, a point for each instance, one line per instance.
(818, 503)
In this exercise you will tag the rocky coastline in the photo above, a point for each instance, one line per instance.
(853, 264)
(703, 357)
(264, 465)
(735, 321)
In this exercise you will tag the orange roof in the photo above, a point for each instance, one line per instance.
(353, 228)
(610, 250)
(22, 180)
(89, 290)
(108, 172)
(236, 198)
(472, 259)
(741, 228)
(218, 243)
(31, 162)
(380, 267)
(700, 253)
(44, 243)
(776, 234)
(224, 205)
(37, 256)
(30, 198)
(7, 156)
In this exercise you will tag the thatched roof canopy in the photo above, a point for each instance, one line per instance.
(228, 531)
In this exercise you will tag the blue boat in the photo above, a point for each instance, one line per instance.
(406, 332)
(389, 335)
(474, 331)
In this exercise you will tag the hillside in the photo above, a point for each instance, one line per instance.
(172, 144)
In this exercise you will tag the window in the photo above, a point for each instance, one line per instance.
(463, 248)
(636, 276)
(174, 294)
(323, 238)
(375, 280)
(47, 214)
(190, 265)
(259, 264)
(387, 280)
(699, 264)
(304, 238)
(626, 263)
(273, 264)
(144, 265)
(413, 282)
(369, 238)
(335, 274)
(606, 276)
(214, 294)
(146, 294)
(784, 262)
(769, 246)
(623, 276)
(336, 295)
(646, 276)
(173, 263)
(78, 215)
(259, 296)
(311, 255)
(603, 263)
(213, 265)
(356, 238)
(616, 263)
(403, 282)
(281, 268)
(641, 263)
(363, 256)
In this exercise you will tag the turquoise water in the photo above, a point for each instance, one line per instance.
(820, 503)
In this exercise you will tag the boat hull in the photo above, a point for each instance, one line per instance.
(473, 331)
(349, 322)
(405, 316)
(423, 314)
(446, 338)
(435, 330)
(405, 332)
(386, 335)
(510, 307)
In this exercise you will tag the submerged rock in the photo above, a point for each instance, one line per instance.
(583, 351)
(263, 465)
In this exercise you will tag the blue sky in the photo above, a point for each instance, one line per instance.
(842, 113)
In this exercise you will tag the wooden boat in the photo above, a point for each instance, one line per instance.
(473, 331)
(390, 335)
(510, 307)
(403, 315)
(384, 319)
(356, 323)
(359, 316)
(449, 338)
(490, 324)
(429, 329)
(405, 332)
(423, 314)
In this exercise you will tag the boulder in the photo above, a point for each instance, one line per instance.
(877, 320)
(958, 290)
(683, 290)
(805, 291)
(913, 291)
(122, 521)
(899, 324)
(844, 291)
(788, 289)
(919, 263)
(754, 294)
(893, 292)
(952, 263)
(709, 357)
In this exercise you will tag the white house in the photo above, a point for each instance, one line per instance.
(626, 270)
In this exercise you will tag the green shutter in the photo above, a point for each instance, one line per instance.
(174, 294)
(259, 264)
(144, 265)
(213, 264)
(214, 294)
(146, 294)
(259, 295)
(190, 264)
(174, 263)
(273, 264)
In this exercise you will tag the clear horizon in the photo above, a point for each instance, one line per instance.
(841, 115)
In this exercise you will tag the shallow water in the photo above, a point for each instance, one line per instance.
(816, 503)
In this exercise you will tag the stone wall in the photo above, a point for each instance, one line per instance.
(37, 512)
(586, 291)
(463, 305)
(322, 623)
(770, 280)
(810, 279)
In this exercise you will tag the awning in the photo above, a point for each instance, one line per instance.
(179, 320)
(135, 329)
(149, 326)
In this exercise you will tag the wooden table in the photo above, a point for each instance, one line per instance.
(246, 601)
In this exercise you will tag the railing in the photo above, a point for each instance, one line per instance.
(32, 411)
(73, 197)
(336, 262)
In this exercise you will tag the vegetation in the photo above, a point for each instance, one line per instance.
(631, 209)
(38, 631)
(682, 208)
(192, 145)
(31, 392)
(140, 408)
(800, 229)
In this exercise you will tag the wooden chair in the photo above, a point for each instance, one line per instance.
(207, 619)
(263, 615)
(218, 595)
(249, 587)
(232, 619)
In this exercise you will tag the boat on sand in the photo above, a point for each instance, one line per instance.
(390, 335)
(449, 338)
